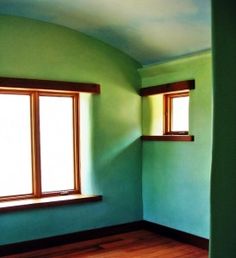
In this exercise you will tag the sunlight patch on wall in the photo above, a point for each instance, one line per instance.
(85, 144)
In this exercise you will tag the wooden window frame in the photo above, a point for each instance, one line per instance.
(168, 112)
(35, 143)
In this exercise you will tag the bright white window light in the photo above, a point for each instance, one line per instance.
(180, 114)
(56, 141)
(15, 145)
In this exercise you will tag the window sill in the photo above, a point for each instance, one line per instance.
(47, 202)
(174, 138)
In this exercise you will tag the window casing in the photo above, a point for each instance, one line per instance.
(34, 117)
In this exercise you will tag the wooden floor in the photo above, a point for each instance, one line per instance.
(136, 244)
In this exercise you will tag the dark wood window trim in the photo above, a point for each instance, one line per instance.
(47, 202)
(44, 85)
(168, 138)
(169, 87)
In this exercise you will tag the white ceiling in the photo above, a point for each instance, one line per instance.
(150, 31)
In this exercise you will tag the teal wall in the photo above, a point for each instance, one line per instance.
(223, 187)
(33, 49)
(176, 175)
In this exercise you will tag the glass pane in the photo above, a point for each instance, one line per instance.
(15, 145)
(56, 135)
(180, 114)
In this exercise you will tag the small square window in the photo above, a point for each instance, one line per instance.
(166, 111)
(176, 113)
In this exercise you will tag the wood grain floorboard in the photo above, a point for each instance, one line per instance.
(136, 244)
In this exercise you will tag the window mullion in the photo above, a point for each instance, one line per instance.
(171, 110)
(76, 142)
(35, 130)
(166, 114)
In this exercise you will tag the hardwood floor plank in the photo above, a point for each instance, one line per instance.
(135, 244)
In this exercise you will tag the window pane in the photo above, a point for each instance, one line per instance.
(56, 134)
(180, 114)
(15, 145)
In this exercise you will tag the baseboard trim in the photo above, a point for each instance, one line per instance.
(177, 235)
(32, 245)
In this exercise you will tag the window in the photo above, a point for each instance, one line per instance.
(39, 144)
(166, 111)
(176, 113)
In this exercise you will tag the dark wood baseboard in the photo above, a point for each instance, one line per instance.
(177, 235)
(32, 245)
(102, 232)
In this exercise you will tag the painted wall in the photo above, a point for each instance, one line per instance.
(111, 163)
(223, 187)
(152, 115)
(176, 175)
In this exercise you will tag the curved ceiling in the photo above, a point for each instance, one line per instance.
(150, 31)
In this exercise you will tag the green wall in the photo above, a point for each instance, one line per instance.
(176, 175)
(111, 165)
(223, 187)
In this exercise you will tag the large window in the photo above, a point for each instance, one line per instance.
(39, 144)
